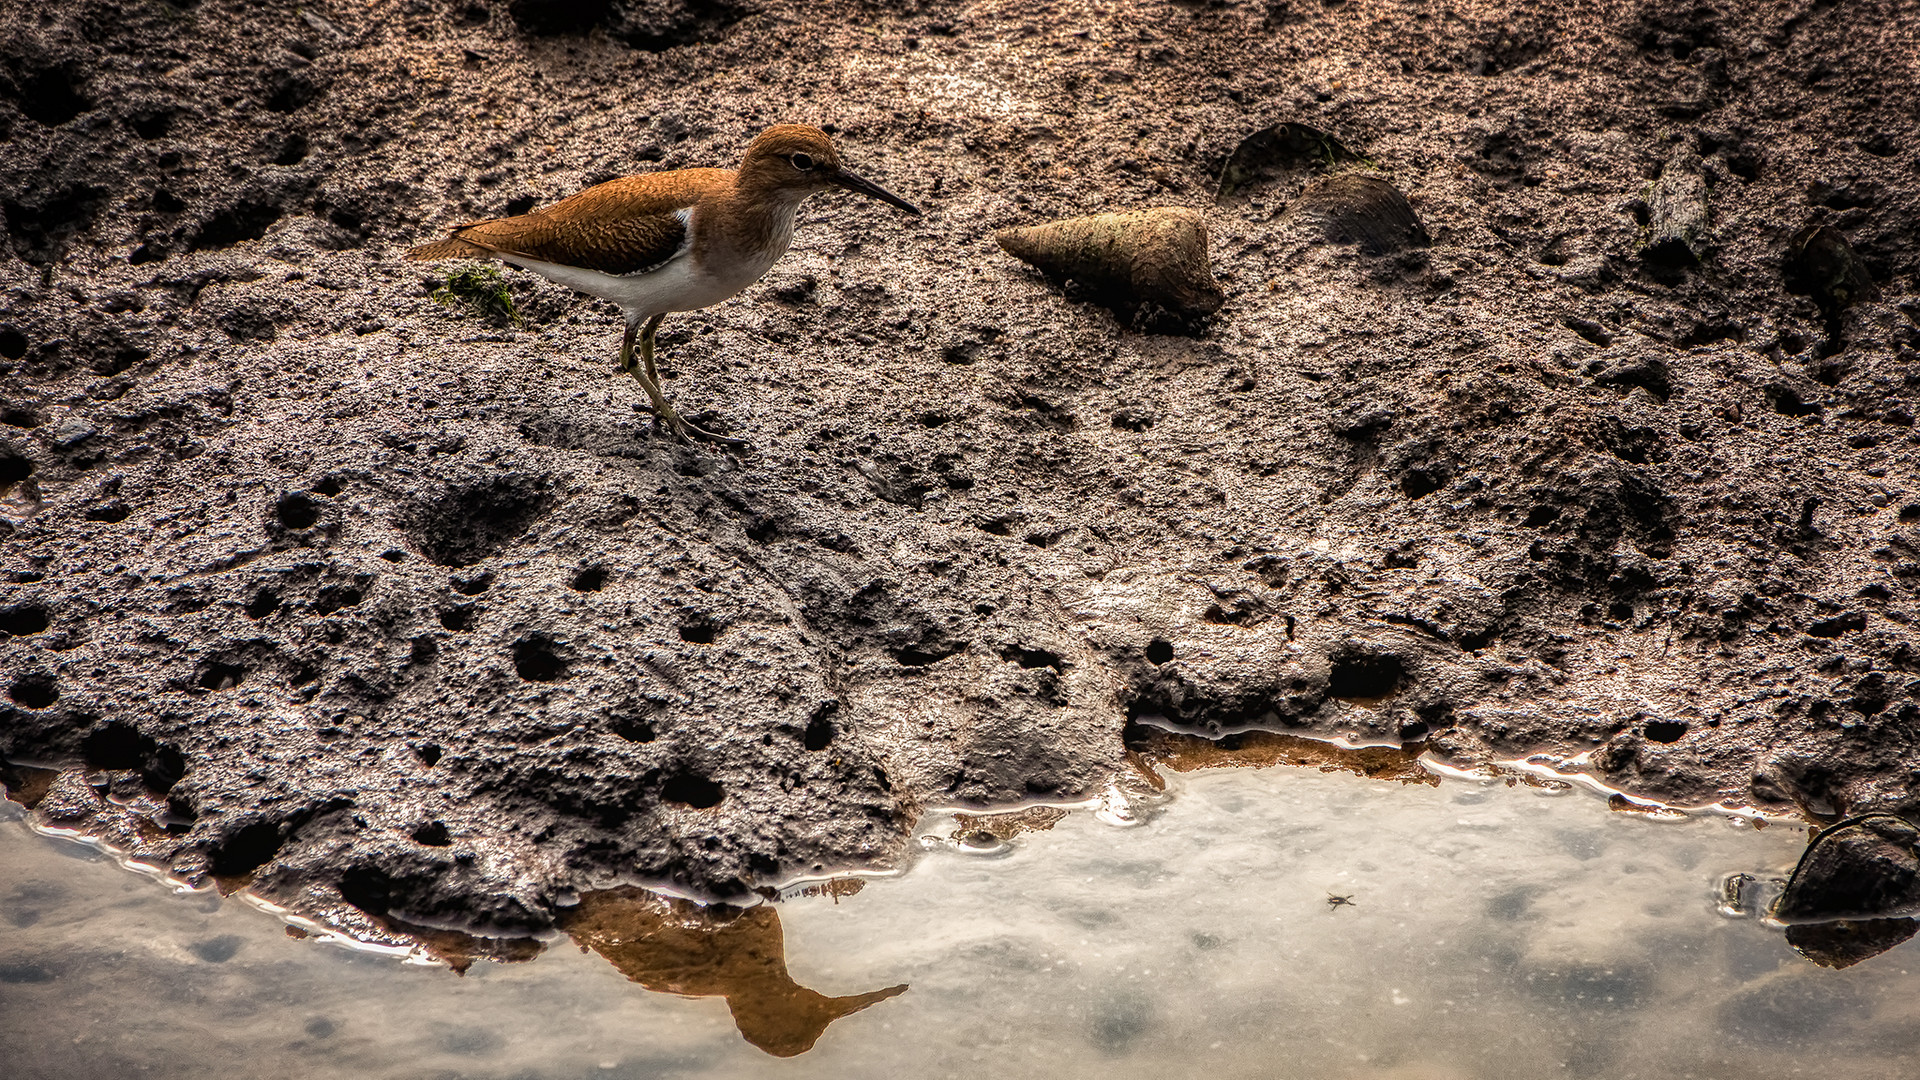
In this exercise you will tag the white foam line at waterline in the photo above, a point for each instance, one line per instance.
(121, 857)
(322, 934)
(1588, 782)
(317, 932)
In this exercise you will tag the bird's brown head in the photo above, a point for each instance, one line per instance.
(798, 160)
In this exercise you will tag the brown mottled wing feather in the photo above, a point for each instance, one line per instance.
(624, 226)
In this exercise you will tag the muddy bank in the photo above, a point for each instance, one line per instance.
(395, 611)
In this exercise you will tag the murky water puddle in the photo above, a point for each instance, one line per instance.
(1257, 923)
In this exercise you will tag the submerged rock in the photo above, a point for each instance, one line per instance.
(1850, 896)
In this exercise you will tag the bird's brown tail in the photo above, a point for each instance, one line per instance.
(451, 248)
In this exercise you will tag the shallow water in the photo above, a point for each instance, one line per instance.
(1493, 930)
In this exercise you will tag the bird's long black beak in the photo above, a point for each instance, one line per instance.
(872, 190)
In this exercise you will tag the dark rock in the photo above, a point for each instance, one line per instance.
(1678, 218)
(1820, 263)
(1352, 208)
(1864, 867)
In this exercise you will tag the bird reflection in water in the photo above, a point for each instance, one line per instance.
(676, 947)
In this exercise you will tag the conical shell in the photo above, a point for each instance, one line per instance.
(1365, 210)
(1139, 257)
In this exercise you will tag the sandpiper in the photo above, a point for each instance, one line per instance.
(668, 241)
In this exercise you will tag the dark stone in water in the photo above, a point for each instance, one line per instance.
(1846, 942)
(1853, 887)
(1865, 867)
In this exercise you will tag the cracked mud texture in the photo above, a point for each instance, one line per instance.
(401, 615)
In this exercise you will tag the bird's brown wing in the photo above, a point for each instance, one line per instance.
(624, 226)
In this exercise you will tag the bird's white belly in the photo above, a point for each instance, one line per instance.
(677, 286)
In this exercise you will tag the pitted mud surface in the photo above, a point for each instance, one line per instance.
(397, 612)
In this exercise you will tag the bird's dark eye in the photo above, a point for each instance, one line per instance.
(803, 162)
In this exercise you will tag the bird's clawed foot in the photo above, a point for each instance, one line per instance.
(643, 372)
(687, 431)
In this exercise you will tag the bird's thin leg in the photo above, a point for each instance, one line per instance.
(655, 400)
(653, 325)
(650, 379)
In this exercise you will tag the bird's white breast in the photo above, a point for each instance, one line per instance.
(683, 282)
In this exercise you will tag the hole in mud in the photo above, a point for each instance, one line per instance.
(1420, 483)
(246, 850)
(1786, 401)
(297, 511)
(422, 650)
(20, 418)
(700, 630)
(394, 555)
(925, 653)
(1588, 329)
(535, 659)
(1664, 731)
(168, 766)
(429, 754)
(263, 604)
(591, 579)
(998, 526)
(1159, 651)
(469, 524)
(432, 834)
(23, 619)
(151, 125)
(13, 346)
(13, 468)
(1364, 676)
(328, 486)
(236, 224)
(1620, 611)
(634, 729)
(218, 675)
(690, 790)
(1909, 514)
(293, 151)
(114, 745)
(1541, 516)
(35, 691)
(820, 731)
(367, 888)
(1031, 658)
(1838, 625)
(472, 586)
(111, 512)
(458, 619)
(334, 597)
(52, 97)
